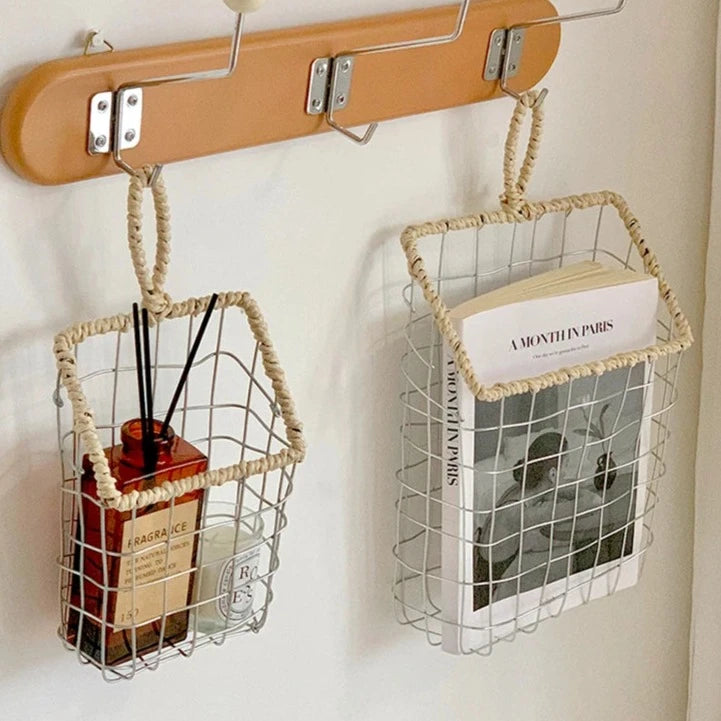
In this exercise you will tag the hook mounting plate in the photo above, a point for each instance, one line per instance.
(101, 123)
(329, 85)
(340, 82)
(497, 53)
(115, 120)
(318, 86)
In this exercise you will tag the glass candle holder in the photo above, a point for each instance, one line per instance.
(226, 581)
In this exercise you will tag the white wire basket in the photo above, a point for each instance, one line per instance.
(606, 423)
(157, 564)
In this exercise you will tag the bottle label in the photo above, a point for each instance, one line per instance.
(235, 587)
(160, 545)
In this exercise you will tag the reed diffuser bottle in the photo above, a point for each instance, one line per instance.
(135, 570)
(137, 567)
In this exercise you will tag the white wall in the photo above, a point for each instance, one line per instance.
(311, 228)
(705, 690)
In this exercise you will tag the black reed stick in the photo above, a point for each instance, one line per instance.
(188, 365)
(141, 386)
(149, 393)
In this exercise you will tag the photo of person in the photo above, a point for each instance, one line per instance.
(548, 508)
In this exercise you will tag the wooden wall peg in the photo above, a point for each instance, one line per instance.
(44, 125)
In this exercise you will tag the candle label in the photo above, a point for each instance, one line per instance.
(235, 587)
(169, 542)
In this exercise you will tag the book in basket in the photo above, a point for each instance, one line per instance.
(543, 493)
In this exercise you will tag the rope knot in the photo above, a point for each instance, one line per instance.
(517, 207)
(158, 305)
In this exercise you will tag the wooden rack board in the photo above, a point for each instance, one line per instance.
(44, 125)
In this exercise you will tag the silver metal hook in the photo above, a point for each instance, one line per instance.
(361, 140)
(557, 20)
(335, 102)
(129, 95)
(157, 170)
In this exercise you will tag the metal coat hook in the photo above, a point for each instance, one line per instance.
(335, 96)
(126, 103)
(514, 35)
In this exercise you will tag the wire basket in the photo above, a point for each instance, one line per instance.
(155, 565)
(462, 577)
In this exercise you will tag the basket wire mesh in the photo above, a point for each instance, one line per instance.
(497, 600)
(205, 571)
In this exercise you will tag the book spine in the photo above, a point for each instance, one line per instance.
(451, 496)
(643, 453)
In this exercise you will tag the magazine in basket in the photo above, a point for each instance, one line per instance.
(543, 493)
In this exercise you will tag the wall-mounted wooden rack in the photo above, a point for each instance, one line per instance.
(44, 125)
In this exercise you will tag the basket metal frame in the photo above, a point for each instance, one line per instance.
(419, 582)
(244, 415)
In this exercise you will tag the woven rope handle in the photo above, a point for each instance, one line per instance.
(155, 299)
(514, 195)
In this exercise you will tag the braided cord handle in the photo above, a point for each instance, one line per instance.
(155, 299)
(515, 186)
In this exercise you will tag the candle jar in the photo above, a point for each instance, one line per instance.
(134, 570)
(226, 581)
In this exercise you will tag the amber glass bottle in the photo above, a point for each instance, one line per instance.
(137, 554)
